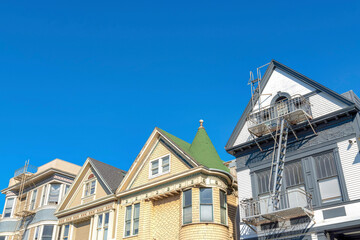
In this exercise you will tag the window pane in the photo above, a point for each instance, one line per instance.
(100, 218)
(92, 190)
(325, 165)
(136, 210)
(187, 214)
(165, 164)
(128, 213)
(206, 195)
(136, 218)
(47, 232)
(106, 219)
(222, 199)
(206, 213)
(155, 164)
(105, 234)
(67, 187)
(187, 198)
(330, 190)
(263, 181)
(127, 228)
(223, 215)
(136, 227)
(54, 193)
(293, 174)
(36, 235)
(33, 198)
(2, 237)
(166, 168)
(66, 230)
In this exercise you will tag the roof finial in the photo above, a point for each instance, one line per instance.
(201, 123)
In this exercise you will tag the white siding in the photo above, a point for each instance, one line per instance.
(244, 181)
(350, 161)
(322, 104)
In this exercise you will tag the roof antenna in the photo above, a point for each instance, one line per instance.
(201, 123)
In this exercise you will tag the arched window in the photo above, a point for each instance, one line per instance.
(282, 107)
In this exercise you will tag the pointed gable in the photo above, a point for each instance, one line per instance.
(107, 178)
(279, 79)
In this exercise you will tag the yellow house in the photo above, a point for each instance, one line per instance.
(89, 208)
(177, 190)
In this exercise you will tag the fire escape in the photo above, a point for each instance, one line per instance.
(22, 211)
(276, 120)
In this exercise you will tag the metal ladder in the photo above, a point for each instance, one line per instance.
(277, 167)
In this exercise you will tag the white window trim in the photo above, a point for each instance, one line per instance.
(160, 172)
(132, 221)
(212, 205)
(63, 231)
(103, 224)
(12, 208)
(84, 187)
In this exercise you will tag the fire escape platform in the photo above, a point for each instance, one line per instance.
(270, 126)
(279, 215)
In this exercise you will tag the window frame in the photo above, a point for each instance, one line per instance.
(89, 183)
(100, 229)
(188, 206)
(12, 207)
(222, 208)
(132, 213)
(207, 204)
(52, 233)
(49, 191)
(160, 166)
(68, 237)
(32, 204)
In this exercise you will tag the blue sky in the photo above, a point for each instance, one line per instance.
(93, 78)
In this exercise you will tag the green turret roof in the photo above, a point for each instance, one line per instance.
(201, 149)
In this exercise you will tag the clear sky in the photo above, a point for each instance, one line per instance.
(93, 78)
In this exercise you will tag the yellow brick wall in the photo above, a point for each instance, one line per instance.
(176, 166)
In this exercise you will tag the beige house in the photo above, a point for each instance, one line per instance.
(89, 209)
(177, 190)
(32, 197)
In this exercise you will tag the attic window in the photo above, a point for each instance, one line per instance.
(91, 176)
(159, 166)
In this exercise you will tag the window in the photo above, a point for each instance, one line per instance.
(90, 188)
(223, 207)
(33, 199)
(37, 233)
(59, 232)
(43, 196)
(8, 207)
(206, 205)
(2, 237)
(160, 166)
(263, 181)
(187, 206)
(102, 226)
(132, 220)
(293, 174)
(47, 232)
(66, 232)
(128, 221)
(54, 193)
(327, 177)
(67, 187)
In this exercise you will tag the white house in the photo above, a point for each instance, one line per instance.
(300, 180)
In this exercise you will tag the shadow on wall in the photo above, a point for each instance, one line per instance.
(357, 159)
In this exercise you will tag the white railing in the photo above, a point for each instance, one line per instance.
(291, 198)
(282, 108)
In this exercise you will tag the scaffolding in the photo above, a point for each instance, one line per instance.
(23, 176)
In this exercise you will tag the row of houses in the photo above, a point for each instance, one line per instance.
(295, 176)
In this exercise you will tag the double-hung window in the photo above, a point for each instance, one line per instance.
(132, 216)
(294, 182)
(223, 207)
(43, 195)
(102, 230)
(33, 199)
(327, 177)
(90, 188)
(187, 206)
(206, 205)
(160, 166)
(9, 207)
(47, 232)
(54, 193)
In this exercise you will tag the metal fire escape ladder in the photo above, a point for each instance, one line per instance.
(277, 168)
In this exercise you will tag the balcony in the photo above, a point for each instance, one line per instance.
(27, 170)
(293, 203)
(264, 120)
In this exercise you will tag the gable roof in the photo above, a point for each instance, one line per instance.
(201, 150)
(272, 65)
(111, 176)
